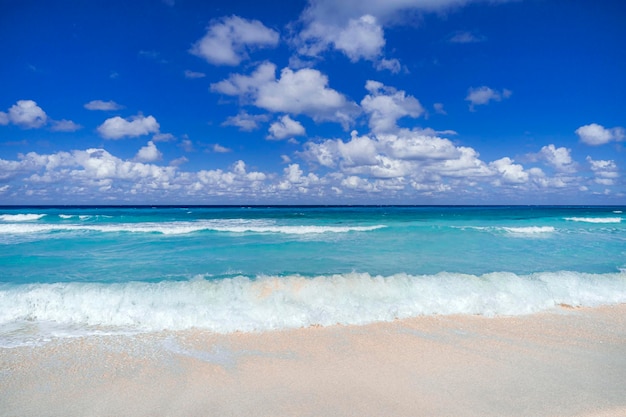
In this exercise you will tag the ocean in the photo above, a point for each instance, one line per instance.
(75, 271)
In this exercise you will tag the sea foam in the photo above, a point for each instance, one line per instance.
(20, 217)
(595, 219)
(278, 302)
(184, 227)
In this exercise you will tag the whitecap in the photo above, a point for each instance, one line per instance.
(20, 217)
(595, 219)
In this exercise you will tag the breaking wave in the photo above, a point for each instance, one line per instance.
(278, 302)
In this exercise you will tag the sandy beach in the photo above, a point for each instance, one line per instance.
(569, 362)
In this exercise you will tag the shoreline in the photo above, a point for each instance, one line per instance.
(565, 362)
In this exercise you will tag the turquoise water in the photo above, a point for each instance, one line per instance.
(110, 269)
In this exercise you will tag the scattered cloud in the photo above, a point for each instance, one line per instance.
(64, 126)
(163, 137)
(605, 171)
(228, 40)
(221, 149)
(149, 153)
(26, 114)
(356, 28)
(304, 91)
(559, 158)
(362, 38)
(392, 65)
(595, 134)
(118, 128)
(483, 95)
(246, 122)
(103, 105)
(284, 128)
(385, 105)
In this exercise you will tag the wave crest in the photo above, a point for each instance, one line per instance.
(273, 302)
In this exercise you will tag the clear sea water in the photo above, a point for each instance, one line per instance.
(72, 271)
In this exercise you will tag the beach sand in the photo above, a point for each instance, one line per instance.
(569, 362)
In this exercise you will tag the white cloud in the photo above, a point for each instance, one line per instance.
(359, 38)
(304, 91)
(245, 86)
(483, 95)
(228, 40)
(285, 127)
(605, 171)
(362, 38)
(356, 27)
(118, 128)
(559, 158)
(102, 105)
(392, 65)
(149, 153)
(64, 126)
(163, 137)
(194, 74)
(26, 114)
(217, 148)
(595, 134)
(385, 105)
(388, 12)
(246, 122)
(509, 171)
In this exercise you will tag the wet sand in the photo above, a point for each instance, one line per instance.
(569, 362)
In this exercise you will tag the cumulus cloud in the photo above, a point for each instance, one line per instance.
(483, 95)
(509, 171)
(149, 153)
(362, 38)
(385, 105)
(356, 27)
(217, 148)
(402, 154)
(64, 126)
(246, 122)
(304, 91)
(228, 40)
(102, 105)
(605, 171)
(26, 114)
(118, 128)
(559, 158)
(359, 38)
(392, 65)
(285, 127)
(163, 137)
(595, 134)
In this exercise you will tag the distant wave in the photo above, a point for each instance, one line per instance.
(522, 231)
(175, 228)
(595, 219)
(278, 302)
(530, 229)
(20, 217)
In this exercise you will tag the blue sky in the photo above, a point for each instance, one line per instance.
(312, 102)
